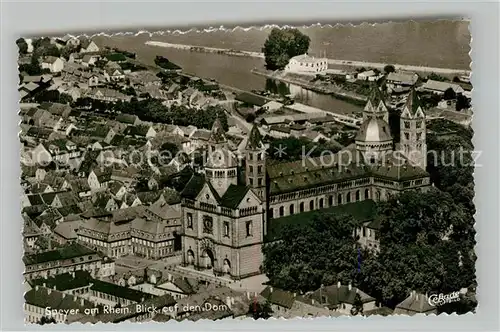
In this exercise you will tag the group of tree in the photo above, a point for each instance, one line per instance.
(283, 44)
(52, 96)
(33, 68)
(436, 77)
(153, 110)
(258, 310)
(424, 246)
(22, 46)
(322, 251)
(414, 254)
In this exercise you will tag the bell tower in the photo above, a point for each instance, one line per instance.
(375, 106)
(221, 167)
(413, 131)
(255, 160)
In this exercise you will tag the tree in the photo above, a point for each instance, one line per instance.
(22, 45)
(33, 68)
(462, 102)
(436, 77)
(414, 252)
(389, 69)
(321, 251)
(357, 306)
(283, 44)
(449, 94)
(47, 320)
(260, 310)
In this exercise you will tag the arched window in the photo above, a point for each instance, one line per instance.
(311, 205)
(377, 195)
(367, 193)
(292, 209)
(348, 197)
(282, 211)
(339, 199)
(357, 196)
(271, 213)
(321, 203)
(301, 207)
(330, 200)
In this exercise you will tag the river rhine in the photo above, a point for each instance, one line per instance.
(435, 44)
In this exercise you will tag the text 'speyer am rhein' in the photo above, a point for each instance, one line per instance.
(273, 181)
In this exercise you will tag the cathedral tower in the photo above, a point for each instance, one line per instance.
(255, 160)
(375, 107)
(413, 131)
(221, 166)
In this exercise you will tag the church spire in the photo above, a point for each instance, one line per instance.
(254, 139)
(412, 104)
(217, 134)
(375, 106)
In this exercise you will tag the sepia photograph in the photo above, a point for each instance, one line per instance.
(248, 172)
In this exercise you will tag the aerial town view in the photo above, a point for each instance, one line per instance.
(247, 173)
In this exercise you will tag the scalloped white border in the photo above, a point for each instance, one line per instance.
(274, 320)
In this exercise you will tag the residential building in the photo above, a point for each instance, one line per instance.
(66, 259)
(54, 64)
(305, 64)
(439, 87)
(415, 303)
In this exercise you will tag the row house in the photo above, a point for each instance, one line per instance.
(62, 260)
(39, 299)
(108, 293)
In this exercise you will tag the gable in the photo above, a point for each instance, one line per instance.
(207, 195)
(250, 199)
(170, 286)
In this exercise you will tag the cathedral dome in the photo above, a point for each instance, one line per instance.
(374, 130)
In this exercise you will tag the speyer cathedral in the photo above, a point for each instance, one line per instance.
(224, 218)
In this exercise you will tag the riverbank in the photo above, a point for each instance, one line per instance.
(204, 49)
(331, 62)
(307, 84)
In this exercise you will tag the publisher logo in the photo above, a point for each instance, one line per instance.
(440, 299)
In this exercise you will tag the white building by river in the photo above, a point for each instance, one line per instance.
(307, 64)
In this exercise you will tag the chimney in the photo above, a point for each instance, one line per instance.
(82, 302)
(338, 284)
(228, 302)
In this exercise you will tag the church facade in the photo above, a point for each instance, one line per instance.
(224, 221)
